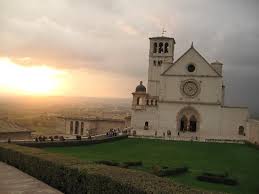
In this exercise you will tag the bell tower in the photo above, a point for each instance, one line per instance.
(161, 55)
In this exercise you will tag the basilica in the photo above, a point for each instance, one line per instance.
(185, 99)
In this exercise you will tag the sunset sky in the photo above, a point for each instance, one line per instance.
(100, 47)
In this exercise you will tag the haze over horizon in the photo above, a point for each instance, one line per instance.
(100, 48)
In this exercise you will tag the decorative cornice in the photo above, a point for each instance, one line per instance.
(240, 107)
(190, 103)
(178, 75)
(153, 80)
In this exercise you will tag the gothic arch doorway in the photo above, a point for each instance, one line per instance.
(193, 123)
(188, 119)
(183, 123)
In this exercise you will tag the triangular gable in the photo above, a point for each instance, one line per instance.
(191, 56)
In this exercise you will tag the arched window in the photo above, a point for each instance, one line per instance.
(161, 49)
(156, 102)
(147, 102)
(71, 127)
(159, 63)
(82, 128)
(241, 130)
(146, 125)
(193, 124)
(76, 127)
(151, 102)
(154, 62)
(155, 47)
(138, 100)
(183, 123)
(166, 47)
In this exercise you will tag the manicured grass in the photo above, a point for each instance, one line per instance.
(240, 161)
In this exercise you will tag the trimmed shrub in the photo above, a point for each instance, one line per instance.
(222, 175)
(71, 175)
(217, 179)
(107, 162)
(133, 163)
(165, 171)
(123, 164)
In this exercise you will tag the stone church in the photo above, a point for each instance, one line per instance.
(185, 98)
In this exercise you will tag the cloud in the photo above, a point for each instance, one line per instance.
(112, 36)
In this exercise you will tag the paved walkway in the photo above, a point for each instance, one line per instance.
(14, 181)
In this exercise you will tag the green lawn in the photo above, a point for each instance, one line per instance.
(240, 161)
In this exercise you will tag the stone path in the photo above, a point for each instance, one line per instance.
(14, 181)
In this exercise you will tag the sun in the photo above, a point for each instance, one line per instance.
(31, 80)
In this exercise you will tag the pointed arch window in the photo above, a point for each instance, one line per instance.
(155, 47)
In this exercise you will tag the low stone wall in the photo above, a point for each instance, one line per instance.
(21, 135)
(68, 143)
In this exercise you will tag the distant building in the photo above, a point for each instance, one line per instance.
(185, 98)
(11, 130)
(85, 126)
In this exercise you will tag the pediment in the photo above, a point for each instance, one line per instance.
(191, 56)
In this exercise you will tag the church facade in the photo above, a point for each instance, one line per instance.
(185, 98)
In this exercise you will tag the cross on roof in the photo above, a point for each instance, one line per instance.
(163, 32)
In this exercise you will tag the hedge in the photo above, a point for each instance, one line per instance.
(165, 171)
(219, 178)
(71, 175)
(123, 164)
(222, 175)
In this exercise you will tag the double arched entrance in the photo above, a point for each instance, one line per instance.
(188, 120)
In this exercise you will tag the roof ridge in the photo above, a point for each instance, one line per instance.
(192, 47)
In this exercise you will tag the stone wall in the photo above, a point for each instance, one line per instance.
(234, 118)
(93, 126)
(213, 121)
(254, 131)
